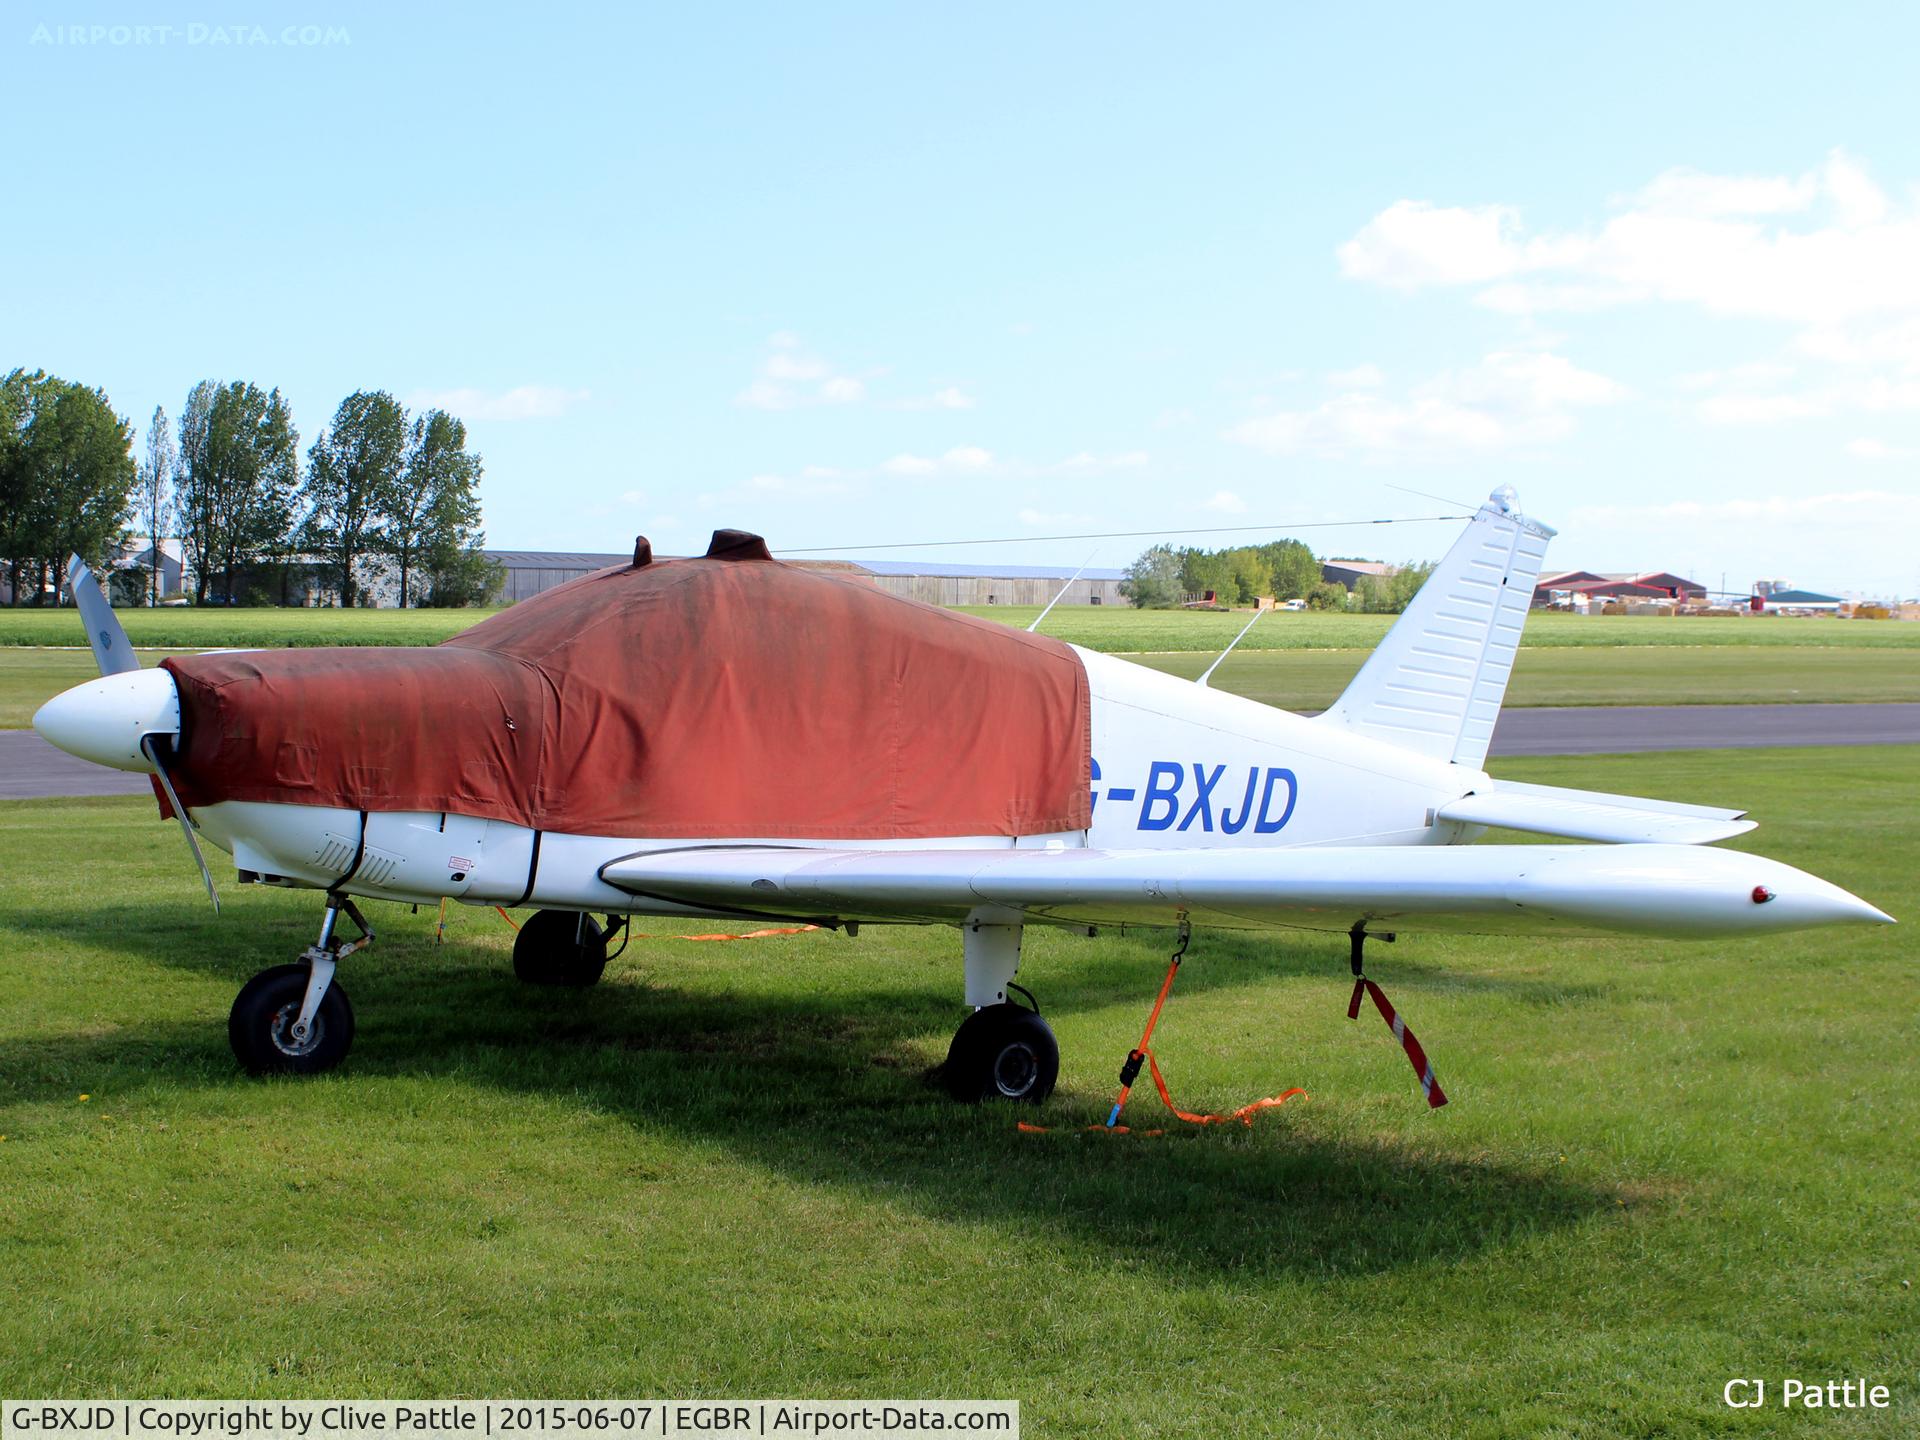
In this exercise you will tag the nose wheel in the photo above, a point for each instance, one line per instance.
(261, 1027)
(1005, 1052)
(293, 1019)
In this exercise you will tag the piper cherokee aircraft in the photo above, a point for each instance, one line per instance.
(732, 737)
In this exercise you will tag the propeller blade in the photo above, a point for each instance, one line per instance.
(108, 639)
(151, 745)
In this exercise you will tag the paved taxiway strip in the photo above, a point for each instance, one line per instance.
(1616, 729)
(31, 769)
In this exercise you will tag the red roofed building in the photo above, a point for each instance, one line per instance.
(1596, 588)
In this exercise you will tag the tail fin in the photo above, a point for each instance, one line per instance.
(1435, 684)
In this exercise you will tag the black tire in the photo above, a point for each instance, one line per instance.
(1003, 1052)
(264, 1012)
(554, 948)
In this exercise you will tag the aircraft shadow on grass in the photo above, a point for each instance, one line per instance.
(828, 1089)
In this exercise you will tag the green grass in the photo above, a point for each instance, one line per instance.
(1313, 679)
(720, 1173)
(29, 678)
(188, 628)
(1103, 628)
(1590, 675)
(1120, 629)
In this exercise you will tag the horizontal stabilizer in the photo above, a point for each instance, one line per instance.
(1676, 890)
(1595, 815)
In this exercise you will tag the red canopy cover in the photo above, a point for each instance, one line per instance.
(729, 695)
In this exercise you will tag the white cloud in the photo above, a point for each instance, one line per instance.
(977, 461)
(1360, 377)
(910, 465)
(766, 395)
(1370, 427)
(1841, 394)
(968, 457)
(1827, 252)
(1699, 196)
(790, 377)
(1509, 399)
(1731, 245)
(523, 402)
(1227, 503)
(785, 365)
(814, 482)
(1866, 449)
(1085, 462)
(1743, 409)
(1412, 243)
(1753, 375)
(1530, 380)
(962, 459)
(950, 397)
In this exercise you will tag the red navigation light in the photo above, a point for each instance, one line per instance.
(1761, 894)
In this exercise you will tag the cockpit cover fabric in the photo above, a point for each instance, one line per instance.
(726, 697)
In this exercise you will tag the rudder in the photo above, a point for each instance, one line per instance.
(1435, 684)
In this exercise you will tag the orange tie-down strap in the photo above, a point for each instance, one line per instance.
(1244, 1114)
(644, 935)
(1130, 1071)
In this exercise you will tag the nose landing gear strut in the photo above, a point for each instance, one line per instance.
(293, 1019)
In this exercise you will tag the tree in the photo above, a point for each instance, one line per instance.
(1391, 593)
(1295, 570)
(459, 571)
(84, 463)
(154, 491)
(235, 480)
(1153, 580)
(353, 471)
(1325, 595)
(66, 477)
(432, 511)
(16, 407)
(1204, 570)
(1252, 575)
(195, 486)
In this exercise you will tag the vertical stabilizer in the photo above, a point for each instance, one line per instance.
(1435, 684)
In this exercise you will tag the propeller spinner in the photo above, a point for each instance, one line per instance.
(129, 718)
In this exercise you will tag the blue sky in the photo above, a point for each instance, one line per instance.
(864, 274)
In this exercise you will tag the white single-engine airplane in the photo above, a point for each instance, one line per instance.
(727, 736)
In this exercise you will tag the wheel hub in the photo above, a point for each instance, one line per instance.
(281, 1032)
(1015, 1069)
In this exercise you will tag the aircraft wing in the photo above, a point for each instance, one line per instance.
(1595, 815)
(1676, 890)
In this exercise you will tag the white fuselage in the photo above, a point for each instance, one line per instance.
(1175, 766)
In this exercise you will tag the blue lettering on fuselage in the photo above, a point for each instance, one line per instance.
(1209, 798)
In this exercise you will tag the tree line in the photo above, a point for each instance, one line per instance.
(1165, 576)
(379, 482)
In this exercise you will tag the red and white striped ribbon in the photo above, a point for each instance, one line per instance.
(1430, 1087)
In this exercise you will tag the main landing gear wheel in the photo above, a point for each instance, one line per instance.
(261, 1026)
(558, 947)
(1002, 1051)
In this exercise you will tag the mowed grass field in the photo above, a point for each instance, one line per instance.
(1116, 629)
(720, 1172)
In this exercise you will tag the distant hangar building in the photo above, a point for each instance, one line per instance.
(933, 582)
